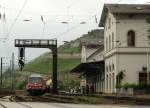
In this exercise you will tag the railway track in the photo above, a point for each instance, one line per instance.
(35, 99)
(4, 105)
(5, 99)
(43, 98)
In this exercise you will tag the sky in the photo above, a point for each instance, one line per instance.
(54, 12)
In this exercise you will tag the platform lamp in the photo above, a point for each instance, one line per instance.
(67, 42)
(118, 43)
(148, 40)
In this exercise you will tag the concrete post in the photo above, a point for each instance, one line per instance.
(1, 82)
(54, 80)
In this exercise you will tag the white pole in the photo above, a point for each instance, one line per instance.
(13, 74)
(147, 65)
(118, 43)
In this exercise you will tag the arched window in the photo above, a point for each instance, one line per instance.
(112, 40)
(110, 68)
(131, 38)
(106, 44)
(113, 67)
(109, 42)
(107, 69)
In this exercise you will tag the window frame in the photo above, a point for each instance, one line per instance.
(131, 38)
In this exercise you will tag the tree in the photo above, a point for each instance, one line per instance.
(120, 77)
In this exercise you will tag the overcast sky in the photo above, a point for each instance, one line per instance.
(54, 12)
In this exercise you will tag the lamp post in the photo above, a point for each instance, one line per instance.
(1, 81)
(67, 42)
(1, 70)
(148, 39)
(148, 61)
(118, 43)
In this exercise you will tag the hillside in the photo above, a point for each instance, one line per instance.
(94, 36)
(43, 65)
(68, 54)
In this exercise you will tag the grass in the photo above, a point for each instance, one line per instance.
(69, 50)
(43, 65)
(7, 83)
(82, 99)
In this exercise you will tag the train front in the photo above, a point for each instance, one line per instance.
(36, 85)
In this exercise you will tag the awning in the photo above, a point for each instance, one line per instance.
(89, 68)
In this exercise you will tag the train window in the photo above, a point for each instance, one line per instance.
(35, 79)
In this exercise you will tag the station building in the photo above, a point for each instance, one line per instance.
(125, 49)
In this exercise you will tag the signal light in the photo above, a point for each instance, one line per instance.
(21, 52)
(21, 64)
(21, 57)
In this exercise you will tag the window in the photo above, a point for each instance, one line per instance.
(109, 42)
(142, 78)
(113, 67)
(35, 79)
(106, 44)
(107, 82)
(110, 68)
(110, 82)
(112, 40)
(113, 82)
(107, 69)
(109, 22)
(131, 38)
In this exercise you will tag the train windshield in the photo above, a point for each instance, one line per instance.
(35, 79)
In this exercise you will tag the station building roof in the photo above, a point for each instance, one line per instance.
(90, 68)
(124, 9)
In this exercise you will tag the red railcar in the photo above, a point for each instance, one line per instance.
(36, 85)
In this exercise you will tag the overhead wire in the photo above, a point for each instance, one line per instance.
(119, 1)
(12, 25)
(74, 3)
(54, 15)
(74, 27)
(147, 2)
(15, 20)
(44, 24)
(78, 25)
(68, 10)
(4, 22)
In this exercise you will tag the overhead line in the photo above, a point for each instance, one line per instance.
(74, 27)
(74, 3)
(119, 1)
(13, 24)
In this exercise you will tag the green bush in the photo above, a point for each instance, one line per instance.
(20, 85)
(136, 86)
(120, 77)
(118, 86)
(142, 85)
(127, 85)
(62, 85)
(132, 86)
(7, 83)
